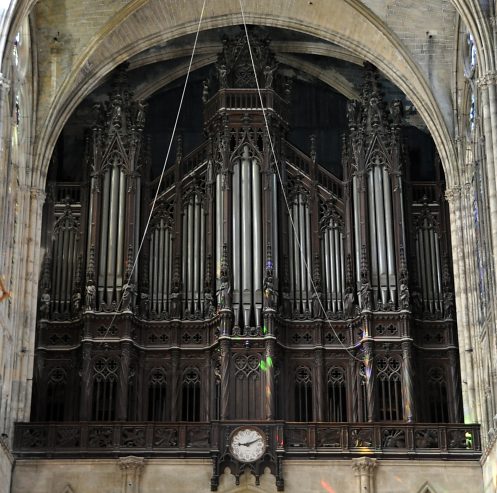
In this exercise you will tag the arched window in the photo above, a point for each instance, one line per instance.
(105, 379)
(56, 392)
(389, 388)
(303, 394)
(157, 395)
(438, 411)
(337, 394)
(190, 395)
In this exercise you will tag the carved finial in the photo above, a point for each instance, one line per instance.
(313, 147)
(179, 148)
(90, 267)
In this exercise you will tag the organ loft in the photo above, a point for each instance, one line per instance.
(248, 288)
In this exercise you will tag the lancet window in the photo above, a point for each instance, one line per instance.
(303, 394)
(190, 395)
(56, 394)
(157, 395)
(337, 394)
(389, 388)
(105, 381)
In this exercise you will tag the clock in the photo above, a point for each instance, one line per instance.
(247, 444)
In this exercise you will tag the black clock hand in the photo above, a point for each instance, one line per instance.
(250, 443)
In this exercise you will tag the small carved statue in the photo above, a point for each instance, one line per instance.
(268, 292)
(205, 91)
(144, 303)
(349, 303)
(175, 305)
(116, 113)
(140, 115)
(224, 292)
(222, 73)
(128, 292)
(209, 309)
(449, 304)
(352, 111)
(76, 302)
(317, 305)
(417, 302)
(396, 112)
(269, 76)
(45, 303)
(403, 296)
(90, 294)
(366, 296)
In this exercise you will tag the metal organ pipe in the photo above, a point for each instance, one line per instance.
(236, 242)
(63, 260)
(202, 259)
(389, 235)
(433, 258)
(257, 241)
(112, 231)
(219, 228)
(380, 233)
(121, 222)
(274, 223)
(160, 273)
(308, 250)
(357, 230)
(333, 272)
(439, 270)
(427, 260)
(196, 257)
(302, 252)
(372, 235)
(189, 260)
(327, 264)
(246, 237)
(296, 256)
(338, 256)
(104, 230)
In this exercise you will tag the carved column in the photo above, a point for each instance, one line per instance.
(364, 468)
(370, 379)
(407, 381)
(86, 383)
(132, 468)
(122, 396)
(4, 139)
(269, 376)
(319, 389)
(225, 377)
(175, 384)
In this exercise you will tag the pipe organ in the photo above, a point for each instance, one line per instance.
(286, 291)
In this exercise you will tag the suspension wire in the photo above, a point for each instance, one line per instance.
(163, 167)
(284, 193)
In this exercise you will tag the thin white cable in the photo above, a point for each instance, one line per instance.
(283, 188)
(163, 167)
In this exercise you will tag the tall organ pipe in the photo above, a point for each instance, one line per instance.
(236, 242)
(332, 252)
(389, 235)
(342, 271)
(302, 252)
(380, 235)
(185, 255)
(338, 256)
(202, 258)
(439, 269)
(190, 259)
(120, 235)
(219, 228)
(246, 242)
(427, 258)
(160, 281)
(296, 256)
(257, 240)
(274, 223)
(357, 230)
(327, 261)
(113, 222)
(196, 257)
(104, 230)
(63, 261)
(373, 235)
(307, 239)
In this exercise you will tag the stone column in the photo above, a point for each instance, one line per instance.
(132, 468)
(319, 386)
(453, 196)
(269, 378)
(364, 468)
(407, 377)
(225, 377)
(4, 140)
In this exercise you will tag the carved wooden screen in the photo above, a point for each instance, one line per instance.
(248, 386)
(303, 394)
(105, 380)
(337, 394)
(157, 395)
(56, 394)
(190, 395)
(389, 388)
(437, 404)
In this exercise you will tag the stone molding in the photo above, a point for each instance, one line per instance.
(132, 468)
(490, 78)
(364, 468)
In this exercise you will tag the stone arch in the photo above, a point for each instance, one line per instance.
(426, 488)
(157, 22)
(67, 489)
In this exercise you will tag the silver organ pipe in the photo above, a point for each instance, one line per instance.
(236, 243)
(372, 236)
(193, 241)
(427, 261)
(64, 261)
(302, 253)
(219, 228)
(137, 223)
(291, 263)
(309, 261)
(333, 273)
(104, 235)
(381, 247)
(357, 230)
(121, 223)
(274, 223)
(438, 263)
(57, 273)
(160, 265)
(71, 264)
(196, 256)
(257, 241)
(389, 235)
(334, 265)
(296, 257)
(246, 236)
(160, 273)
(112, 232)
(202, 259)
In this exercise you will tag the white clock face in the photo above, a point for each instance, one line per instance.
(247, 444)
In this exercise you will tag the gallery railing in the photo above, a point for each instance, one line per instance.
(92, 439)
